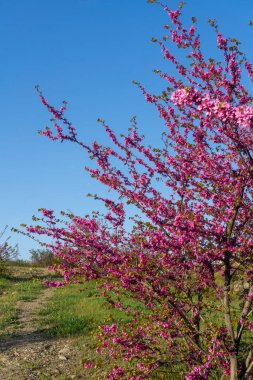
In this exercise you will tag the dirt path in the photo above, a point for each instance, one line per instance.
(27, 326)
(30, 355)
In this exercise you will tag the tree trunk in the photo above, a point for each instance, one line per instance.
(233, 368)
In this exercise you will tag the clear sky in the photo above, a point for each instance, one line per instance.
(86, 52)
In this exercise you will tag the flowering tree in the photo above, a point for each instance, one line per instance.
(189, 256)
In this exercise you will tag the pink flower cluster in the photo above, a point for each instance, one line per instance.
(190, 245)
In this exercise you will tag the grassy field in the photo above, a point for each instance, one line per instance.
(17, 285)
(77, 309)
(73, 311)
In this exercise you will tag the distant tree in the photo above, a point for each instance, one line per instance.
(42, 257)
(7, 252)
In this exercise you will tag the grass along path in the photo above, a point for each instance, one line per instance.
(27, 353)
(25, 325)
(48, 334)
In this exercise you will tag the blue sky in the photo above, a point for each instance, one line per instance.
(86, 52)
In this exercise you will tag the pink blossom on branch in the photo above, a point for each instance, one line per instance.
(188, 258)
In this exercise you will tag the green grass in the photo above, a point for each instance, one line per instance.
(11, 294)
(8, 311)
(13, 288)
(77, 309)
(76, 312)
